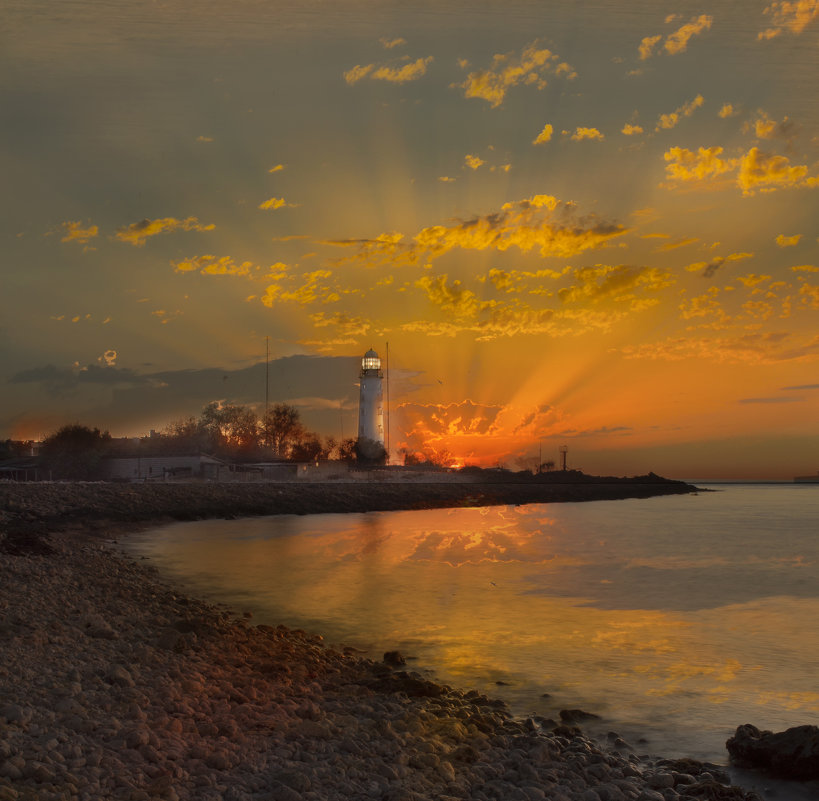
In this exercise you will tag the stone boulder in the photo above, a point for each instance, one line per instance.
(791, 754)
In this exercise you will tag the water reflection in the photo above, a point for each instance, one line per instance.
(639, 615)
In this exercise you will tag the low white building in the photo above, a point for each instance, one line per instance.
(162, 468)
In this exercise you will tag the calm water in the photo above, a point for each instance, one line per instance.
(675, 618)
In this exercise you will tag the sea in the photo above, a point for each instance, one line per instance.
(674, 619)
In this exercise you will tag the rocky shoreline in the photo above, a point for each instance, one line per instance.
(115, 686)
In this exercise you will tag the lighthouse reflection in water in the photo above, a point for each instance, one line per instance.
(674, 618)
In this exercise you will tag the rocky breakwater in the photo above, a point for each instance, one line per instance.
(29, 511)
(114, 686)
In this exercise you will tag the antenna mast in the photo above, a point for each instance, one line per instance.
(266, 382)
(387, 376)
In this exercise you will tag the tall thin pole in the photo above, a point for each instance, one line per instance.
(266, 383)
(387, 371)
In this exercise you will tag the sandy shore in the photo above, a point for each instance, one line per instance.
(115, 686)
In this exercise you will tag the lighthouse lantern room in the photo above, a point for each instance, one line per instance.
(371, 404)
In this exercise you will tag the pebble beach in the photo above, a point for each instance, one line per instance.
(113, 685)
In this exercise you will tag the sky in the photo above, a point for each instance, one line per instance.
(590, 224)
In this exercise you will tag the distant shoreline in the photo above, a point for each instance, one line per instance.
(31, 511)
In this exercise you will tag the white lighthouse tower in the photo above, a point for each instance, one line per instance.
(371, 404)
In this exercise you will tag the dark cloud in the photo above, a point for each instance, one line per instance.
(801, 387)
(782, 399)
(324, 387)
(64, 379)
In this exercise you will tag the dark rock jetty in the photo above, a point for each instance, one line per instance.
(28, 511)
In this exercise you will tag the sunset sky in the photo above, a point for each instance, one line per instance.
(592, 224)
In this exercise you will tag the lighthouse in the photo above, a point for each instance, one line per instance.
(371, 407)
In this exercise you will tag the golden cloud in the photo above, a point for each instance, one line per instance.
(544, 136)
(450, 419)
(709, 268)
(792, 16)
(753, 348)
(810, 295)
(726, 111)
(540, 222)
(677, 42)
(523, 225)
(708, 306)
(74, 232)
(585, 133)
(450, 297)
(139, 232)
(647, 46)
(389, 44)
(764, 127)
(345, 324)
(788, 241)
(210, 265)
(631, 130)
(530, 69)
(668, 121)
(752, 280)
(518, 280)
(767, 172)
(679, 243)
(277, 168)
(473, 162)
(276, 203)
(312, 290)
(618, 283)
(386, 72)
(706, 163)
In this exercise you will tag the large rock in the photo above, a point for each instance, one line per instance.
(792, 754)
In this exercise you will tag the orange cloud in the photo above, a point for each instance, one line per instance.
(312, 290)
(677, 42)
(706, 163)
(345, 324)
(709, 268)
(385, 72)
(764, 127)
(668, 121)
(767, 172)
(616, 283)
(530, 69)
(139, 232)
(276, 203)
(210, 265)
(473, 162)
(450, 297)
(647, 46)
(74, 232)
(631, 130)
(789, 16)
(541, 222)
(752, 348)
(544, 136)
(788, 241)
(389, 44)
(585, 133)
